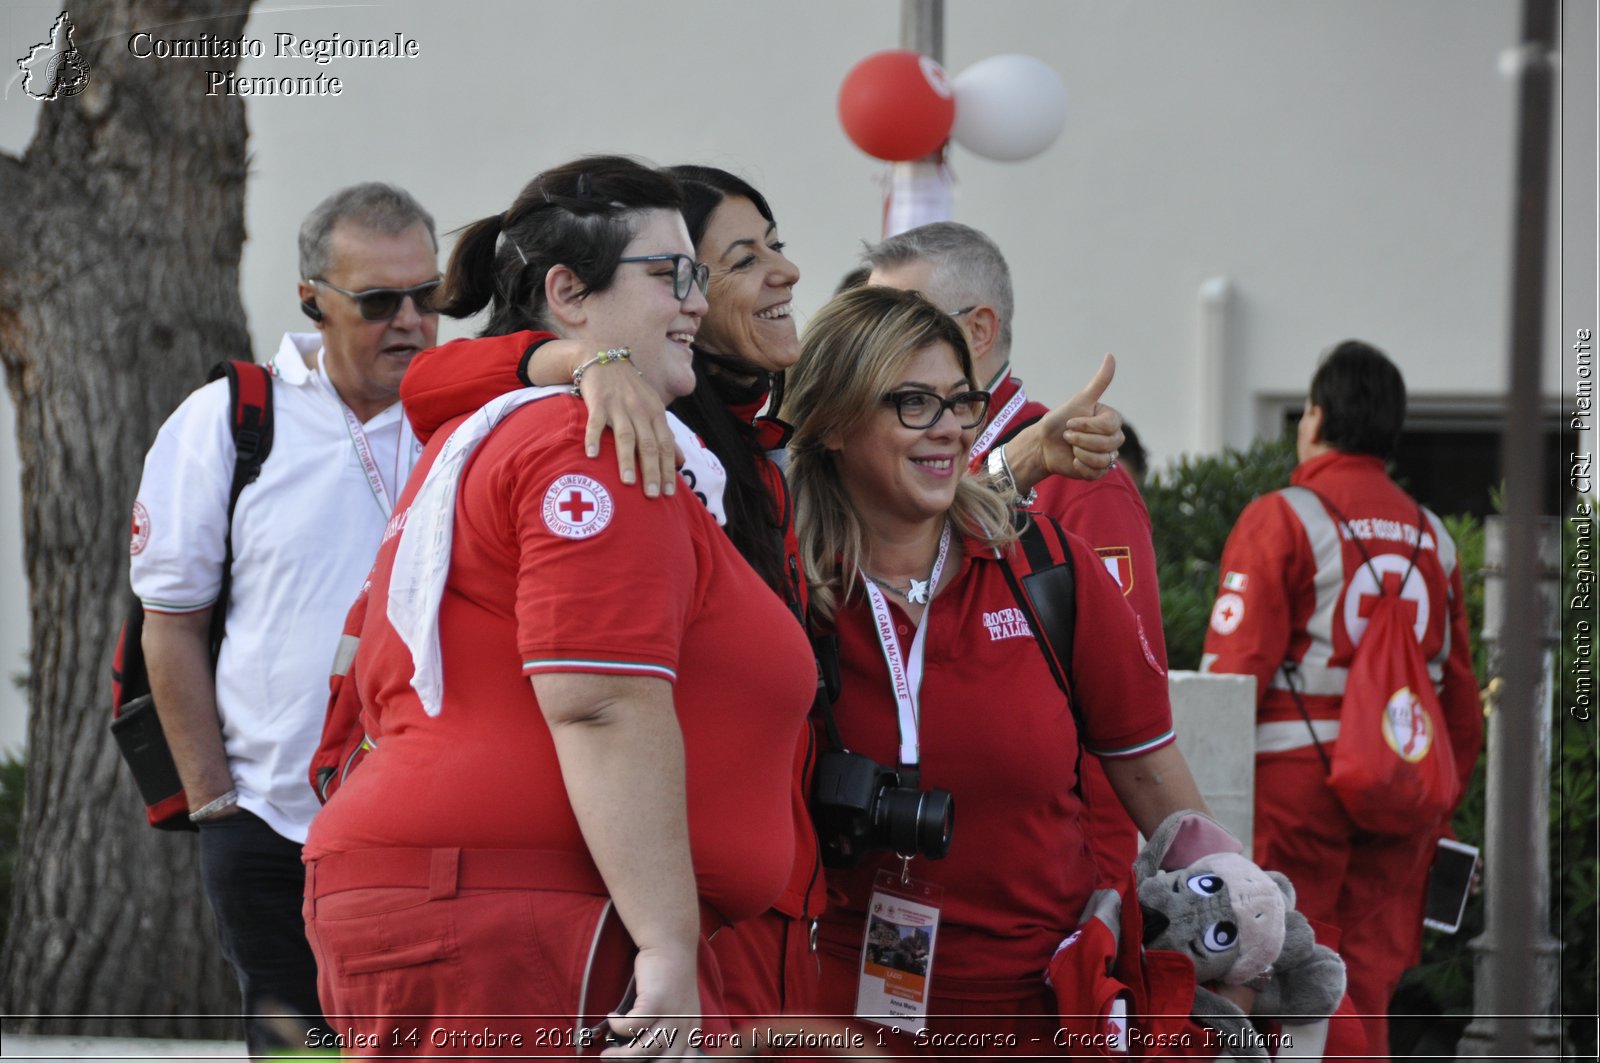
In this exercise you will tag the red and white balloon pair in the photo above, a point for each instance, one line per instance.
(899, 106)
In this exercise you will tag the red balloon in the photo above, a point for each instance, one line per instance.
(897, 105)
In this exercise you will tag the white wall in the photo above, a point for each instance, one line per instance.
(1346, 164)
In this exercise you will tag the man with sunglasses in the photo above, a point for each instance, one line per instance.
(303, 535)
(961, 270)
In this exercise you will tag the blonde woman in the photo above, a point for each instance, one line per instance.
(942, 681)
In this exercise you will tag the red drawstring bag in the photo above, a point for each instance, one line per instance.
(1393, 769)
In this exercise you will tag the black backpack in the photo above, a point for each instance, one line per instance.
(134, 722)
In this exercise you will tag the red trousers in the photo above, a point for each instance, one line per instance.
(768, 967)
(963, 1020)
(430, 952)
(1371, 888)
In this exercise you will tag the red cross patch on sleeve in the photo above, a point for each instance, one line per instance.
(140, 536)
(1227, 614)
(577, 507)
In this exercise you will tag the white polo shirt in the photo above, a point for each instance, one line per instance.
(304, 536)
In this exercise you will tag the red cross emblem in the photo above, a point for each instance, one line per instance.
(1388, 581)
(1227, 614)
(577, 507)
(140, 532)
(1366, 603)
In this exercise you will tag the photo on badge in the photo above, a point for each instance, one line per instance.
(897, 952)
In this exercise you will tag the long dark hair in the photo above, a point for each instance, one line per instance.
(724, 379)
(580, 215)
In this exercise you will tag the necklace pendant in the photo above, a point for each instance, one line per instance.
(918, 594)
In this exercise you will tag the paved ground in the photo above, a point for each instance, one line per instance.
(61, 1049)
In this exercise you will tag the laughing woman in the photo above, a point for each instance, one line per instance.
(575, 782)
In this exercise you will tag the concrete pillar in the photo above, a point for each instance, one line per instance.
(1215, 717)
(1495, 956)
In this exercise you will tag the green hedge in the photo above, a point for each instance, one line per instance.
(1193, 507)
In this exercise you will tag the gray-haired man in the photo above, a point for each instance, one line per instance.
(303, 536)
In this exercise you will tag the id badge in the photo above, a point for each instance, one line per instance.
(897, 951)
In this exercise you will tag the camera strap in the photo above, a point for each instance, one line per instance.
(905, 673)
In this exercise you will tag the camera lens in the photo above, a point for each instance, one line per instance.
(915, 822)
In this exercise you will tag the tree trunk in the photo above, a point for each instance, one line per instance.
(120, 235)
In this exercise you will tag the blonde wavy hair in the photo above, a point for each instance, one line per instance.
(851, 354)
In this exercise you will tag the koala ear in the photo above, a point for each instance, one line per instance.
(1151, 857)
(1183, 837)
(1195, 835)
(1284, 886)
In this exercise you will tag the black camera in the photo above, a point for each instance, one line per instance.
(858, 806)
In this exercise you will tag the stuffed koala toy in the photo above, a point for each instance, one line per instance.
(1237, 923)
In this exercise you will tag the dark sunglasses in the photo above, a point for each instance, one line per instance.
(685, 271)
(922, 409)
(382, 304)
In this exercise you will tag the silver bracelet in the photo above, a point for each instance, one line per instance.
(1000, 469)
(210, 809)
(615, 354)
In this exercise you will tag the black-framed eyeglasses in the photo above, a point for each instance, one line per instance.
(922, 409)
(685, 271)
(382, 304)
(964, 310)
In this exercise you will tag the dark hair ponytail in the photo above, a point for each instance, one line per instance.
(579, 215)
(469, 278)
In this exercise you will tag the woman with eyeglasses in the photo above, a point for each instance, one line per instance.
(575, 782)
(942, 681)
(746, 340)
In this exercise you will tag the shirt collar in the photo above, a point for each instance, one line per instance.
(1002, 388)
(289, 364)
(1332, 462)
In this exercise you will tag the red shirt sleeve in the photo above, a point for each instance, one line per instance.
(1265, 557)
(1111, 516)
(607, 578)
(458, 377)
(1120, 685)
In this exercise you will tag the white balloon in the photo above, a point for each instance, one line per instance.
(1008, 107)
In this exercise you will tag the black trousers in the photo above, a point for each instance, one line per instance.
(255, 884)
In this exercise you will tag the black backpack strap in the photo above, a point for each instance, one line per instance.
(1291, 670)
(1048, 596)
(250, 421)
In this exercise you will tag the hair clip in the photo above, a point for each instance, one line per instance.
(518, 250)
(584, 188)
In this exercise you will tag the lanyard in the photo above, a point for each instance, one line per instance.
(997, 426)
(369, 464)
(358, 439)
(905, 676)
